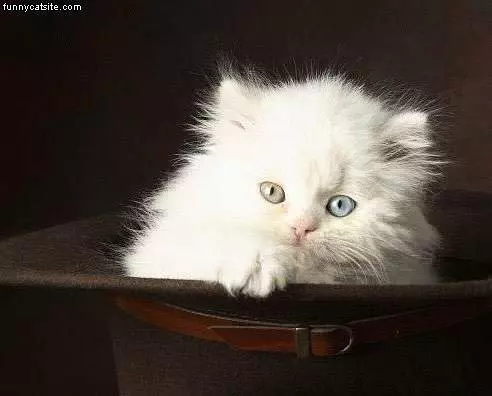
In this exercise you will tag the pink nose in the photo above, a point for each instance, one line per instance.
(303, 227)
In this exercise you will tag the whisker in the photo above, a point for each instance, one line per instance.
(363, 261)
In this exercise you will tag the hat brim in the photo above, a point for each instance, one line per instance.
(75, 255)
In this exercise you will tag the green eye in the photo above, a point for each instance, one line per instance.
(340, 205)
(272, 192)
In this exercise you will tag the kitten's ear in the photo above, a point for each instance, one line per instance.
(410, 159)
(406, 133)
(236, 103)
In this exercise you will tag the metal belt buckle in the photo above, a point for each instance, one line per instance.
(303, 338)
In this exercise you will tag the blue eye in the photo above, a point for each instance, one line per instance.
(340, 205)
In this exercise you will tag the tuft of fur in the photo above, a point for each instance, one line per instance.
(317, 138)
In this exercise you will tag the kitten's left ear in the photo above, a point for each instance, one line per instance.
(411, 161)
(236, 103)
(405, 133)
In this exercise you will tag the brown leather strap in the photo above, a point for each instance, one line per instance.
(327, 340)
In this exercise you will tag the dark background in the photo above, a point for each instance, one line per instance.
(94, 102)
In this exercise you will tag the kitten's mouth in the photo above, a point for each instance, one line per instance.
(298, 242)
(302, 242)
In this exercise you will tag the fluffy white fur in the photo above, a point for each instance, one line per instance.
(316, 138)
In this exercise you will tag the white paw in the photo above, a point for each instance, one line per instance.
(260, 277)
(269, 276)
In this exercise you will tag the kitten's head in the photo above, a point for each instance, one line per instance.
(323, 167)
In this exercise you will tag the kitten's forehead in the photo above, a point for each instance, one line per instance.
(314, 137)
(305, 167)
(291, 113)
(329, 116)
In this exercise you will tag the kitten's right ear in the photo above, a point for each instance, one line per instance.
(236, 103)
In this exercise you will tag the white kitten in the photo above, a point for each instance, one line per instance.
(311, 181)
